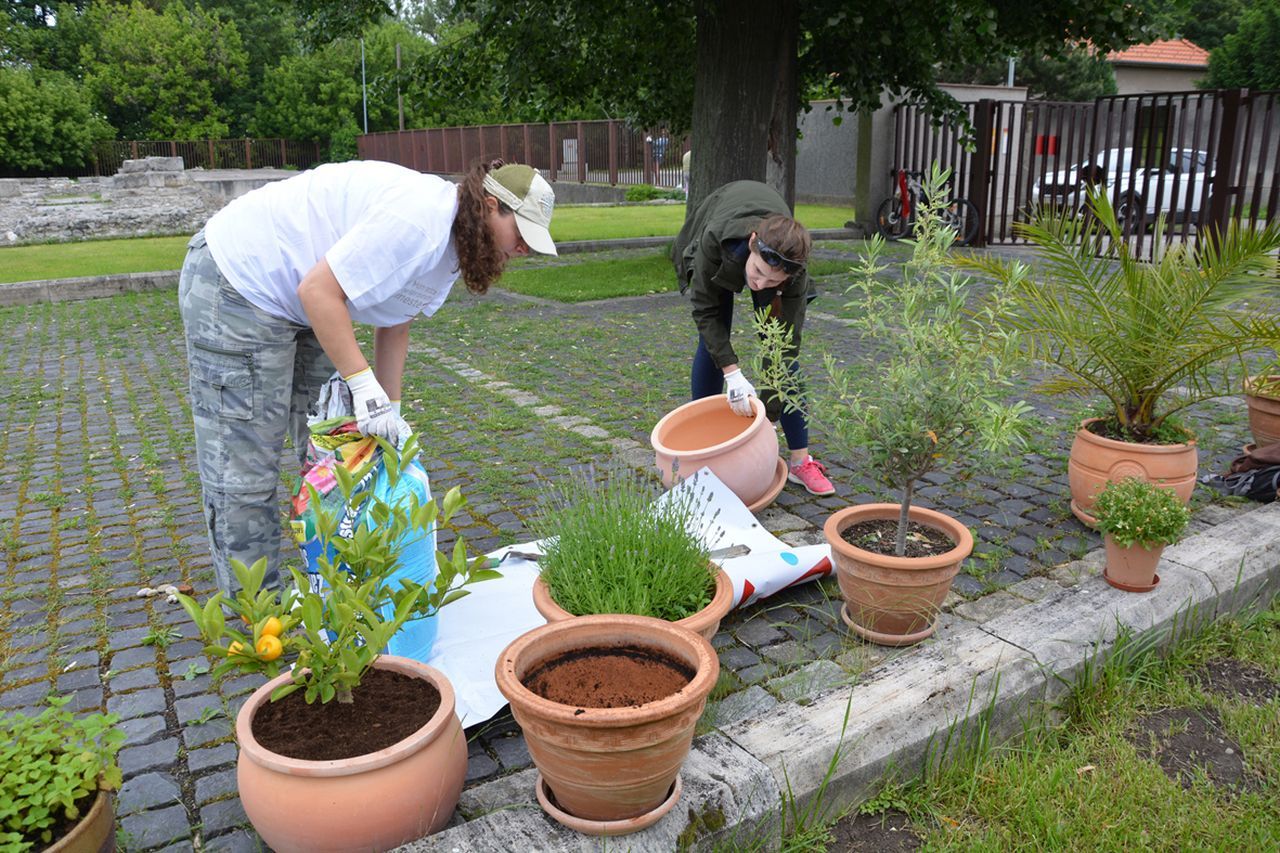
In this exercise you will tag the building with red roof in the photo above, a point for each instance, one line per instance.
(1166, 65)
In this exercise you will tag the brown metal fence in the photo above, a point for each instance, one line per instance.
(1198, 159)
(212, 153)
(600, 152)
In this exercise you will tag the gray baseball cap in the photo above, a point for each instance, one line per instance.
(526, 192)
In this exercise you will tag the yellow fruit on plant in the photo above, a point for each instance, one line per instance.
(272, 627)
(269, 647)
(235, 648)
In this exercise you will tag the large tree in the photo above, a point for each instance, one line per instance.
(750, 60)
(46, 121)
(1250, 57)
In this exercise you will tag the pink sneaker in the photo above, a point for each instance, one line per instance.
(812, 474)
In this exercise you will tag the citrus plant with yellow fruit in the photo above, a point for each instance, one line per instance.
(333, 634)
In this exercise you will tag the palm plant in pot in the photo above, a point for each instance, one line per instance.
(351, 749)
(1136, 331)
(614, 546)
(1138, 520)
(934, 392)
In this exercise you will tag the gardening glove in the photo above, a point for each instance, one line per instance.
(375, 414)
(740, 392)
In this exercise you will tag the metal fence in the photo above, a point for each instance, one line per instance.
(204, 153)
(599, 152)
(1198, 159)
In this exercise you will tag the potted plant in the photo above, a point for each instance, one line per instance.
(1134, 331)
(57, 775)
(608, 706)
(1138, 519)
(613, 547)
(933, 393)
(1262, 397)
(351, 749)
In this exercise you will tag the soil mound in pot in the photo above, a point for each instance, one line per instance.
(386, 708)
(619, 677)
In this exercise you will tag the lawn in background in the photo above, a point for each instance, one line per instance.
(661, 220)
(603, 279)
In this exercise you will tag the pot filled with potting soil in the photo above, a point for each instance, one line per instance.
(741, 452)
(608, 706)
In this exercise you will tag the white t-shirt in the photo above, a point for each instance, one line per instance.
(384, 229)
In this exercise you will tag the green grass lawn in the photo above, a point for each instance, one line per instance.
(582, 282)
(661, 220)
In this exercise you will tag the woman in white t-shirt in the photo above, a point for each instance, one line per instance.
(269, 293)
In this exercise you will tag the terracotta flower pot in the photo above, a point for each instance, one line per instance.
(705, 622)
(1264, 411)
(742, 452)
(370, 802)
(96, 831)
(611, 769)
(1096, 461)
(1132, 569)
(890, 600)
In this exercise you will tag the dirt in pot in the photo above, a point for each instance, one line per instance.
(881, 537)
(386, 708)
(616, 677)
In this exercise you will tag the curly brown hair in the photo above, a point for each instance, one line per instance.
(786, 236)
(479, 258)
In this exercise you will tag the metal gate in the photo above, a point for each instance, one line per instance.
(1198, 159)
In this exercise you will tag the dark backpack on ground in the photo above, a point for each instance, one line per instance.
(1255, 474)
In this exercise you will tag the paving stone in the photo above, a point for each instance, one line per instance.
(752, 702)
(480, 766)
(809, 681)
(194, 707)
(142, 729)
(1070, 574)
(861, 656)
(967, 585)
(210, 757)
(787, 653)
(239, 841)
(147, 791)
(759, 632)
(29, 694)
(1033, 589)
(137, 704)
(512, 752)
(154, 828)
(200, 734)
(756, 674)
(215, 786)
(739, 658)
(989, 606)
(128, 638)
(1024, 545)
(218, 817)
(152, 756)
(129, 658)
(133, 680)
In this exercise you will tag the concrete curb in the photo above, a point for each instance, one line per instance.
(903, 713)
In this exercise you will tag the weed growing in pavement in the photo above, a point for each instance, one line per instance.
(161, 638)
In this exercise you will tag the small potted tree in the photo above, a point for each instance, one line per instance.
(351, 749)
(57, 775)
(613, 547)
(1136, 331)
(933, 393)
(1138, 519)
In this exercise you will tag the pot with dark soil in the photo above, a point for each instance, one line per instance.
(351, 749)
(608, 706)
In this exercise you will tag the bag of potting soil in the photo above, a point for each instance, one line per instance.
(335, 441)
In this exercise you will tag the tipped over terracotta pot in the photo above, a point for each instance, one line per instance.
(741, 452)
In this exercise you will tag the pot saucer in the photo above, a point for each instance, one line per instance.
(1128, 588)
(605, 827)
(881, 639)
(775, 488)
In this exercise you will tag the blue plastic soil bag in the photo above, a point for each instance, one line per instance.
(335, 443)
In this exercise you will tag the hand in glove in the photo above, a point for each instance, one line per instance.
(375, 413)
(740, 393)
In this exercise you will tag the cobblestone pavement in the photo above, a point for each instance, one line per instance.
(99, 498)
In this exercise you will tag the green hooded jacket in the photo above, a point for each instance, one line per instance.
(706, 269)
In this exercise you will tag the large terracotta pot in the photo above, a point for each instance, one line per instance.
(705, 622)
(742, 452)
(370, 802)
(1096, 461)
(1264, 411)
(610, 770)
(1132, 569)
(890, 600)
(96, 831)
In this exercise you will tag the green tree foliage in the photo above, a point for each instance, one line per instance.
(1076, 75)
(164, 75)
(46, 121)
(270, 33)
(313, 96)
(1251, 56)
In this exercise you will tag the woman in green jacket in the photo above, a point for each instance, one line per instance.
(743, 236)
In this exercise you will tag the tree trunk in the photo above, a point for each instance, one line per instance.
(744, 95)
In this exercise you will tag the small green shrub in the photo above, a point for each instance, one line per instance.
(1136, 511)
(648, 192)
(614, 550)
(51, 767)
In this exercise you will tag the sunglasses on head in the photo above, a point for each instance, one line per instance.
(776, 259)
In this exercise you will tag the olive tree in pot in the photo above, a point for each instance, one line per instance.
(1135, 331)
(1138, 519)
(614, 546)
(58, 772)
(933, 392)
(351, 749)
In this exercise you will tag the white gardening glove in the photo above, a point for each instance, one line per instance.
(375, 414)
(740, 392)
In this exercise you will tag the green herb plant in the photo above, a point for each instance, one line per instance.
(934, 391)
(613, 548)
(51, 767)
(1136, 512)
(339, 631)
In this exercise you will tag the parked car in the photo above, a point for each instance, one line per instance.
(1186, 170)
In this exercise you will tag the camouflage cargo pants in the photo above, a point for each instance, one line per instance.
(253, 376)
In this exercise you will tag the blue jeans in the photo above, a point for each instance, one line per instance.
(707, 379)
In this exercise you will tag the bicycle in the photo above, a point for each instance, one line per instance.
(896, 217)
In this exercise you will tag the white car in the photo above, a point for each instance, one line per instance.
(1139, 185)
